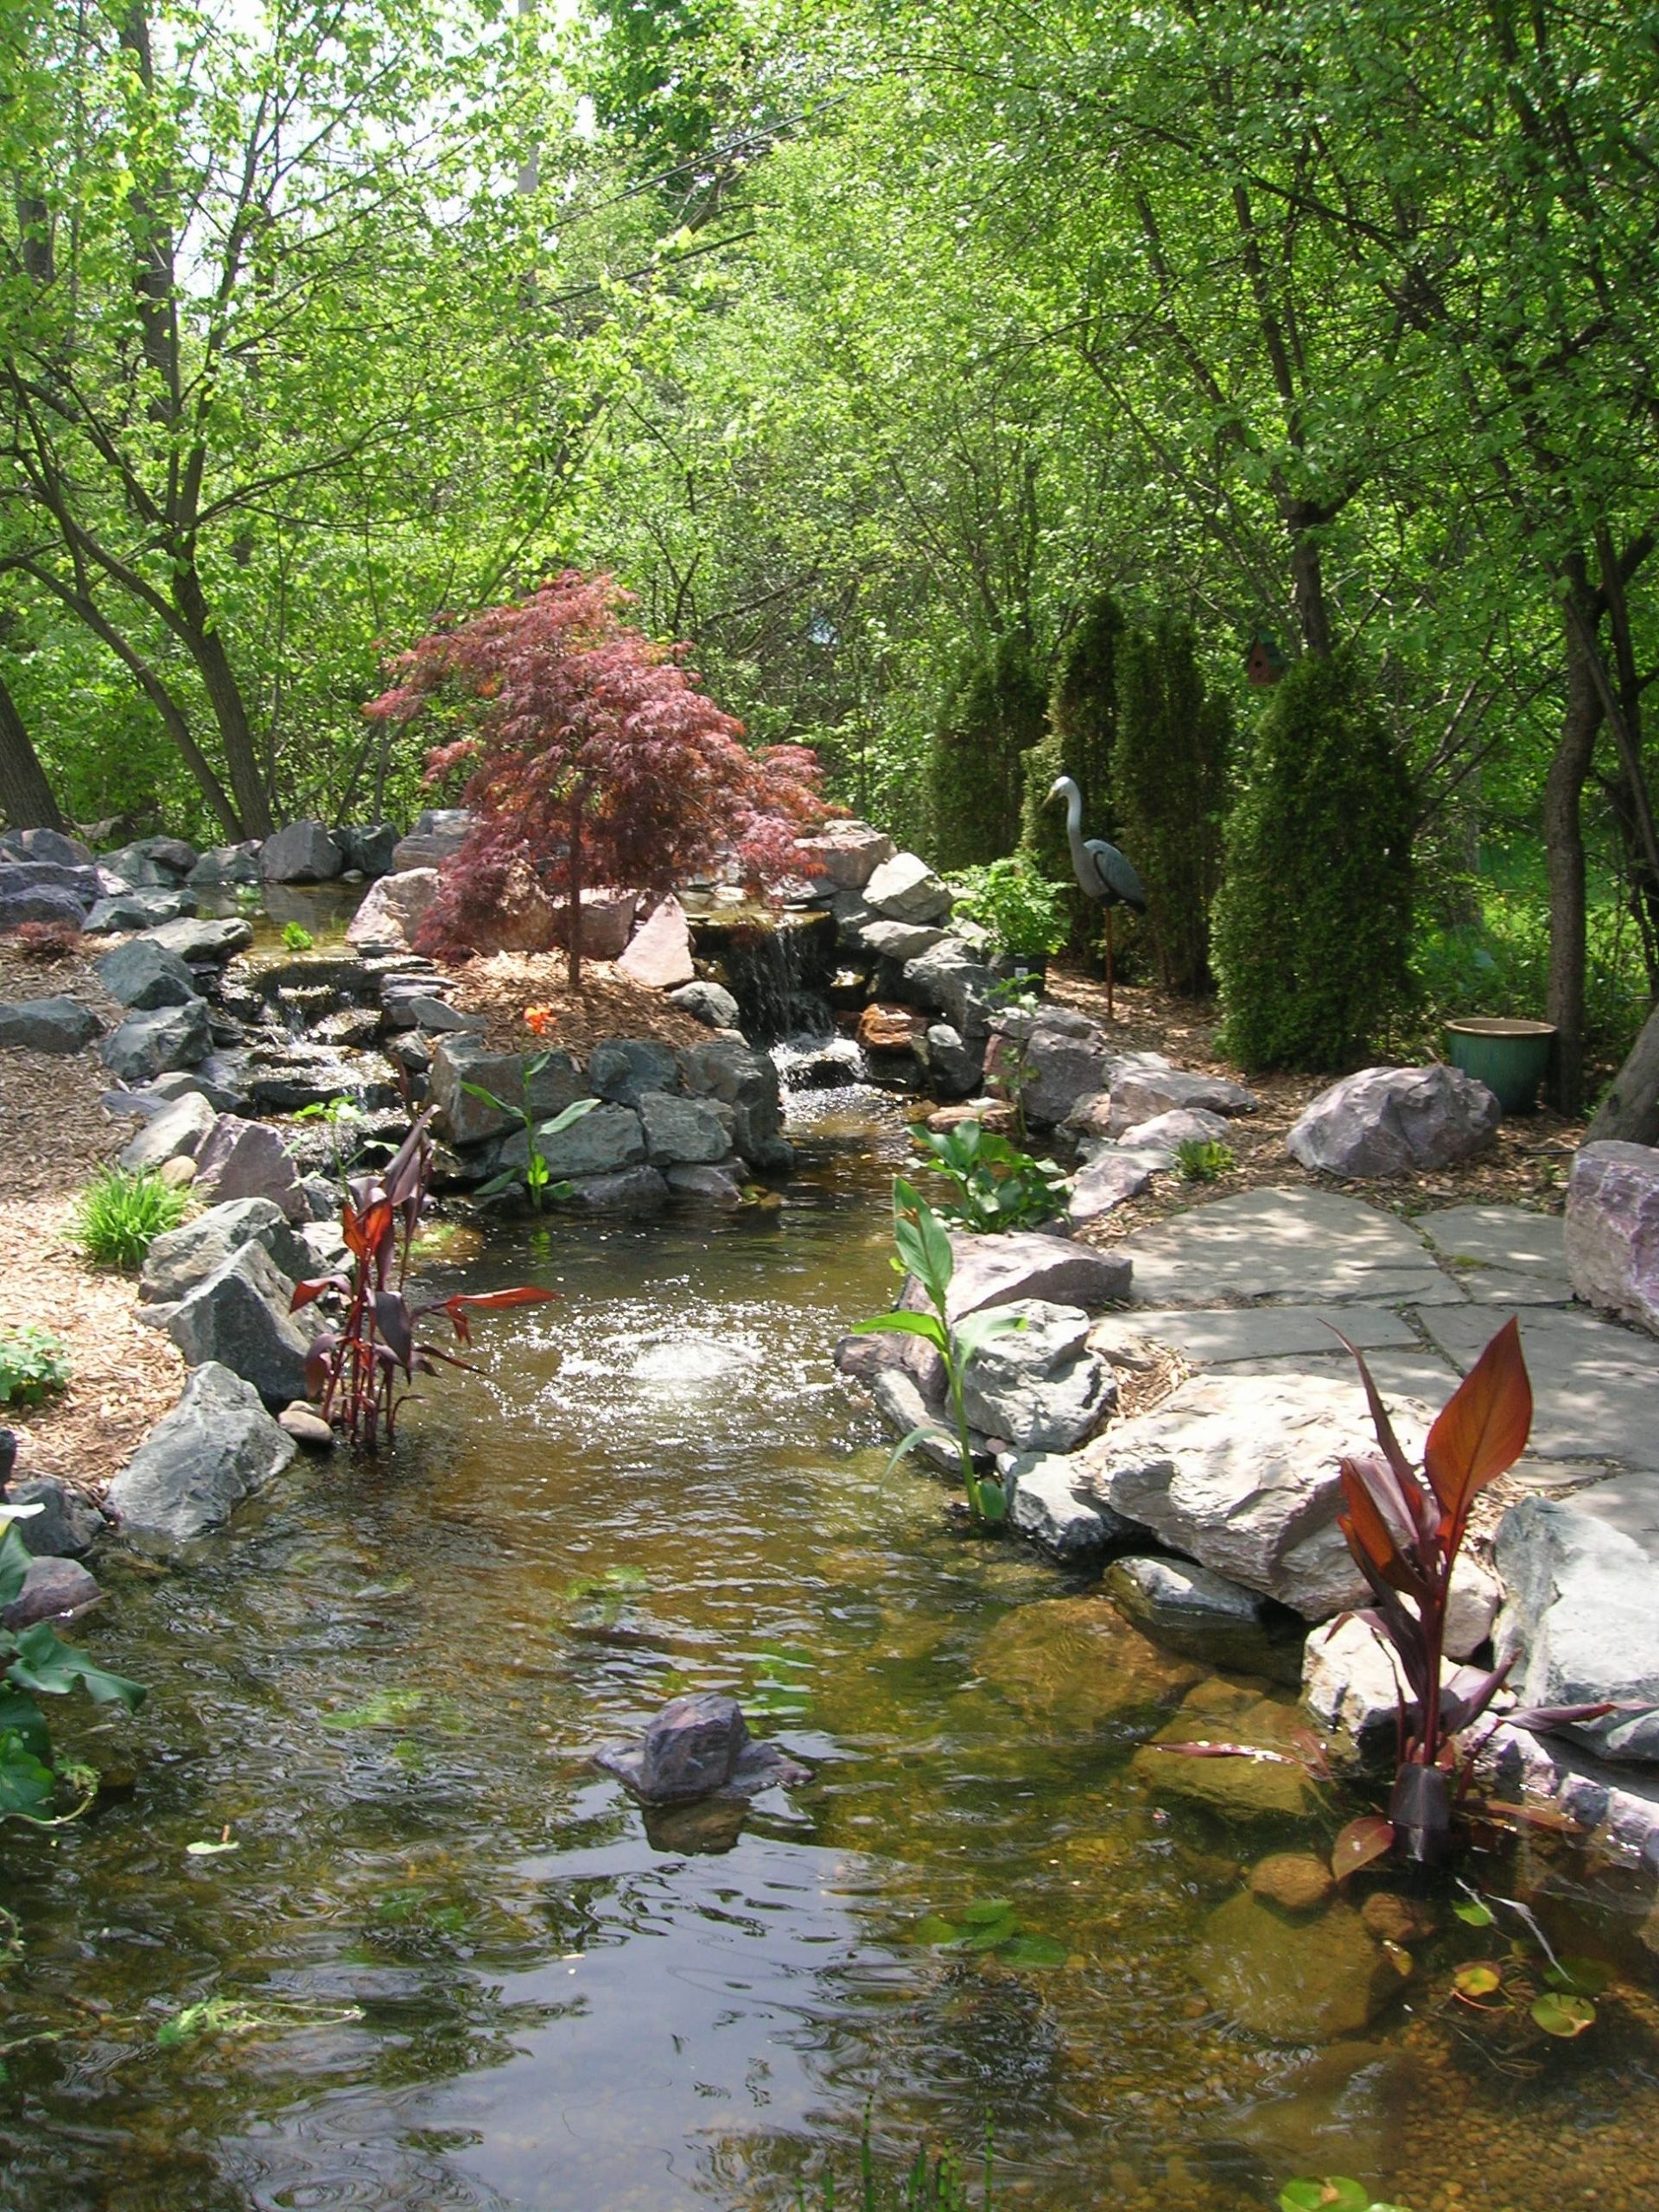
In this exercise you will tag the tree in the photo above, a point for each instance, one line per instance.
(993, 716)
(1168, 780)
(26, 797)
(594, 758)
(1312, 925)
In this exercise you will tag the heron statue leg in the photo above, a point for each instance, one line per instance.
(1110, 1014)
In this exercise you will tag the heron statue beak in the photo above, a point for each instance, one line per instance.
(1056, 790)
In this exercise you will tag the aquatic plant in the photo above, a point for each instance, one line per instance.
(338, 1114)
(120, 1214)
(996, 1185)
(933, 2184)
(361, 1369)
(989, 1925)
(35, 1663)
(1204, 1160)
(1531, 1982)
(535, 1178)
(32, 1362)
(924, 1250)
(297, 937)
(1334, 2194)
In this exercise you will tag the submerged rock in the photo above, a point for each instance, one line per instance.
(1236, 1787)
(694, 1747)
(1207, 1616)
(1074, 1666)
(1294, 1980)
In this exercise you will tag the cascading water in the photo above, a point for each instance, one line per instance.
(777, 967)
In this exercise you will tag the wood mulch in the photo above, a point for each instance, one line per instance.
(53, 1135)
(502, 986)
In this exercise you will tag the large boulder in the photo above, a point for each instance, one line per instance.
(659, 955)
(148, 1045)
(241, 1159)
(463, 1065)
(1289, 1978)
(218, 1446)
(18, 877)
(1024, 1264)
(45, 845)
(203, 941)
(1165, 1133)
(954, 1068)
(1039, 1387)
(226, 865)
(238, 1317)
(845, 854)
(685, 1132)
(599, 1143)
(638, 1189)
(1239, 1473)
(1108, 1180)
(145, 975)
(1612, 1230)
(1394, 1121)
(184, 1256)
(623, 1068)
(905, 889)
(137, 910)
(304, 852)
(43, 902)
(367, 848)
(745, 1081)
(1578, 1575)
(393, 909)
(1141, 1093)
(899, 941)
(607, 918)
(1049, 1503)
(1206, 1617)
(1052, 1057)
(438, 834)
(55, 1025)
(176, 1133)
(159, 862)
(953, 980)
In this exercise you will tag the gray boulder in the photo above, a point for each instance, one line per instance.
(1048, 1500)
(144, 974)
(366, 849)
(217, 1447)
(52, 1588)
(1039, 1388)
(685, 1132)
(225, 865)
(421, 1010)
(1612, 1230)
(1292, 1979)
(202, 941)
(1054, 1056)
(623, 1068)
(45, 902)
(1107, 1181)
(954, 981)
(905, 889)
(954, 1068)
(1393, 1122)
(694, 1747)
(55, 1025)
(148, 1045)
(176, 1133)
(465, 1118)
(1206, 1617)
(899, 941)
(1352, 1685)
(18, 878)
(305, 852)
(1141, 1092)
(748, 1082)
(238, 1317)
(67, 1525)
(393, 909)
(161, 862)
(602, 1141)
(136, 910)
(1578, 1575)
(659, 955)
(1025, 1264)
(719, 1184)
(708, 1002)
(845, 854)
(45, 845)
(242, 1158)
(625, 1189)
(177, 1262)
(1165, 1133)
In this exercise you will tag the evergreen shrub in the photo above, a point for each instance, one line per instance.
(993, 716)
(1083, 720)
(1312, 925)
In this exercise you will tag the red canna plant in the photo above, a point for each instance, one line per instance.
(364, 1366)
(1405, 1528)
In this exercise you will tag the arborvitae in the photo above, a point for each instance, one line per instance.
(1168, 781)
(1312, 925)
(1082, 717)
(995, 711)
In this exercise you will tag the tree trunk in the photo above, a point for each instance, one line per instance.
(1564, 860)
(26, 797)
(1630, 1112)
(1307, 583)
(224, 693)
(573, 879)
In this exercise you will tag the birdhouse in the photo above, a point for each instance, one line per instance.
(1265, 661)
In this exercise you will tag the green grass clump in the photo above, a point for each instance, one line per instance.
(120, 1215)
(1201, 1159)
(32, 1362)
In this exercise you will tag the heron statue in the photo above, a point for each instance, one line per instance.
(1103, 873)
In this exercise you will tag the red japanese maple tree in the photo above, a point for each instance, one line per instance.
(597, 759)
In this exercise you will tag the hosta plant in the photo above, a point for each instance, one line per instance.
(995, 1185)
(363, 1365)
(32, 1362)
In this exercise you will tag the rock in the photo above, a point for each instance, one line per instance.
(628, 1189)
(902, 1404)
(55, 1025)
(1164, 1132)
(1141, 1093)
(1046, 1504)
(137, 910)
(425, 849)
(1206, 1617)
(745, 1081)
(991, 1114)
(1612, 1231)
(148, 1045)
(238, 1318)
(694, 1747)
(188, 1254)
(685, 1132)
(161, 861)
(623, 1068)
(1074, 1669)
(464, 1118)
(899, 941)
(420, 1010)
(1393, 1122)
(604, 1140)
(1039, 1388)
(218, 1446)
(304, 852)
(38, 903)
(1023, 1264)
(1107, 1181)
(1472, 1607)
(888, 1028)
(179, 1172)
(1239, 1473)
(393, 909)
(67, 1525)
(201, 941)
(21, 880)
(1242, 1789)
(607, 918)
(52, 1588)
(1053, 1055)
(175, 1133)
(718, 1184)
(145, 975)
(1351, 1685)
(306, 1426)
(366, 848)
(659, 954)
(247, 1160)
(1629, 1112)
(710, 1002)
(953, 1067)
(1294, 1880)
(1578, 1575)
(1393, 1919)
(45, 845)
(905, 889)
(845, 854)
(953, 981)
(1294, 1980)
(287, 1080)
(226, 865)
(221, 1079)
(1301, 1245)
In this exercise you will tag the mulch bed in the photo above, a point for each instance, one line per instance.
(503, 984)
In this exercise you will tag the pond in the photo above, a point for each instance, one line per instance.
(446, 1965)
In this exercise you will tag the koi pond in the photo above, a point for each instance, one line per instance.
(365, 1927)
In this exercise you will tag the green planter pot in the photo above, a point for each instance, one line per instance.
(1511, 1057)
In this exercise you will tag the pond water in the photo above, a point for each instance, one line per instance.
(449, 1965)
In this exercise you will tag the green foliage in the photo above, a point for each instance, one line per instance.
(1083, 715)
(32, 1362)
(1204, 1160)
(1313, 924)
(996, 1185)
(297, 937)
(1500, 965)
(989, 1925)
(120, 1214)
(1020, 909)
(1335, 2193)
(534, 1180)
(992, 715)
(927, 2185)
(1170, 758)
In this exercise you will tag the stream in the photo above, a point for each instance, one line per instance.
(445, 1963)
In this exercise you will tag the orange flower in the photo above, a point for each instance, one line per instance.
(538, 1020)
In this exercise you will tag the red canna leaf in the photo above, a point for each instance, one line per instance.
(305, 1293)
(1483, 1428)
(1368, 1838)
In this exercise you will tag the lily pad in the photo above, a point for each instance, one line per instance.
(1477, 1979)
(1563, 2015)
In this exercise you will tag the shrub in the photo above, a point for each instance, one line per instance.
(1020, 909)
(119, 1216)
(1083, 720)
(992, 715)
(996, 1186)
(1168, 782)
(1313, 924)
(32, 1362)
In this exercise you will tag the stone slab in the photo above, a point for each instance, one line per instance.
(1310, 1246)
(1220, 1335)
(1498, 1237)
(1595, 1385)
